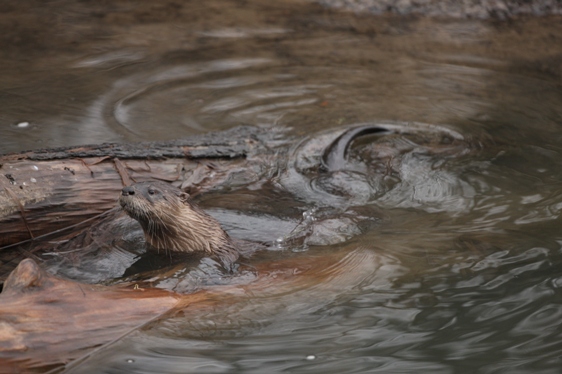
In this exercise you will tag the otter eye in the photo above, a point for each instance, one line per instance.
(151, 192)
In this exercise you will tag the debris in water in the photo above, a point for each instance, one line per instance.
(22, 125)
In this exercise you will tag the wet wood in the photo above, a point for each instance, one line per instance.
(47, 322)
(48, 190)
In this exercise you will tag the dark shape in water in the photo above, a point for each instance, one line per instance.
(334, 157)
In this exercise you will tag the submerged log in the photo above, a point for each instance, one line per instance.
(45, 319)
(45, 191)
(47, 322)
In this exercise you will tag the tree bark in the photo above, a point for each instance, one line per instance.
(48, 190)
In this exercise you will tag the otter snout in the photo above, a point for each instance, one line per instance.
(128, 191)
(126, 194)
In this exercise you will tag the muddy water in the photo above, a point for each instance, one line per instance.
(462, 230)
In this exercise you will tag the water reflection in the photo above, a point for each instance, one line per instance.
(138, 102)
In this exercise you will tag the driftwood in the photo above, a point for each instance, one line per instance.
(47, 322)
(45, 191)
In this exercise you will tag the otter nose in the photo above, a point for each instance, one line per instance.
(128, 191)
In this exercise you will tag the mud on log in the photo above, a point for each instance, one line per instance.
(49, 190)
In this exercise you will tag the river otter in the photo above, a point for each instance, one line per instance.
(335, 155)
(171, 222)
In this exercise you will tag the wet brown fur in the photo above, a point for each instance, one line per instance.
(171, 222)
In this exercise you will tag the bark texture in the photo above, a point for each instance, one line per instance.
(49, 190)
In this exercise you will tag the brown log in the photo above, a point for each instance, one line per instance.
(47, 322)
(44, 319)
(48, 190)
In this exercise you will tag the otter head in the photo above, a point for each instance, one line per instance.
(170, 221)
(147, 201)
